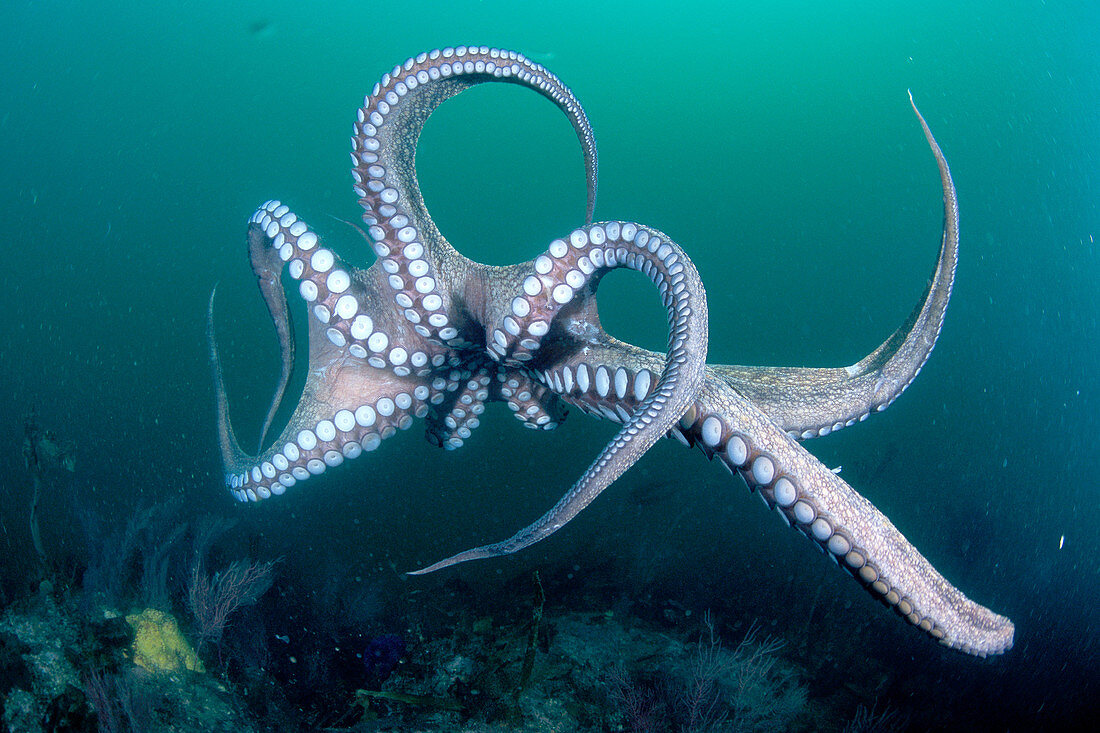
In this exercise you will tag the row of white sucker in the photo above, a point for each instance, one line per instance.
(379, 185)
(566, 267)
(880, 387)
(328, 443)
(335, 299)
(346, 435)
(528, 400)
(614, 393)
(465, 414)
(781, 491)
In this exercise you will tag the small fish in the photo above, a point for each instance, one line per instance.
(283, 638)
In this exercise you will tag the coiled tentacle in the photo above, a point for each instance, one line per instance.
(553, 285)
(411, 248)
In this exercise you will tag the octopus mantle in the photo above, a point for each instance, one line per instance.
(424, 332)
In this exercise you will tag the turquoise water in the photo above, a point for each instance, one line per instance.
(775, 144)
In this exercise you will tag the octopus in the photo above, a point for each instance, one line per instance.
(425, 332)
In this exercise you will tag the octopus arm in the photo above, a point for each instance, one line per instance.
(419, 259)
(232, 455)
(634, 247)
(847, 527)
(374, 367)
(347, 408)
(350, 402)
(608, 378)
(413, 91)
(812, 402)
(268, 267)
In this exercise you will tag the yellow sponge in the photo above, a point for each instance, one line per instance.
(158, 644)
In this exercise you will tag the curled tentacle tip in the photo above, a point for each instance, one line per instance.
(912, 102)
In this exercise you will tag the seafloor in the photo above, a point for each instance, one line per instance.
(126, 648)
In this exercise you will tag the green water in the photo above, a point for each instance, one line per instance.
(774, 143)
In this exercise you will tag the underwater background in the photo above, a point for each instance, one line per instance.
(773, 141)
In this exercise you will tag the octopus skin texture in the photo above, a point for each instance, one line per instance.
(424, 332)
